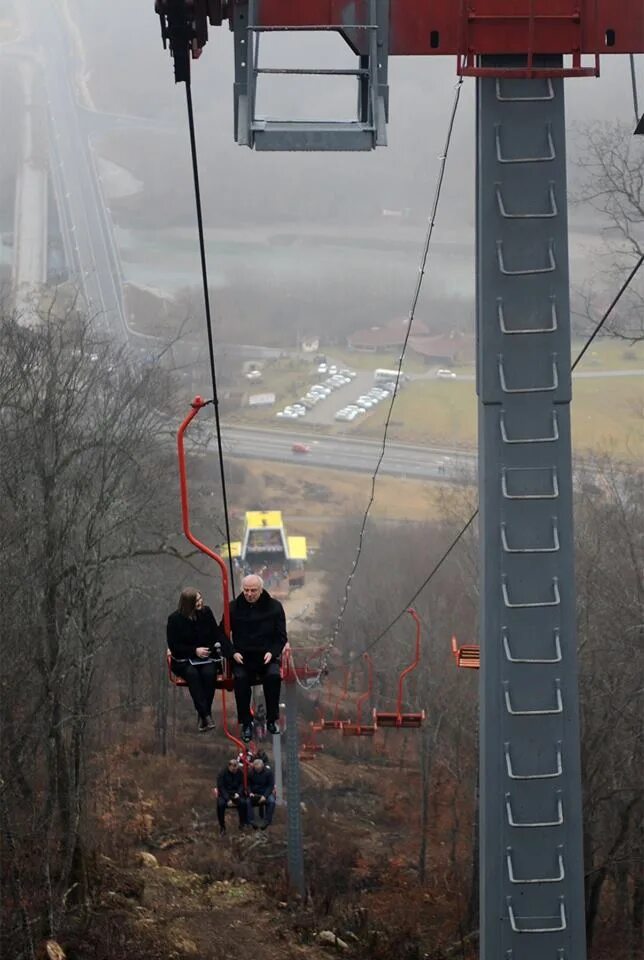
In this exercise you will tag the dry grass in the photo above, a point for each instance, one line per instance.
(312, 499)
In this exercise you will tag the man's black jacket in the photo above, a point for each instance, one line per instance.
(184, 635)
(261, 783)
(257, 628)
(229, 783)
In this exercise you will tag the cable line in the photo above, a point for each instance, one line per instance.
(634, 83)
(206, 297)
(412, 311)
(467, 525)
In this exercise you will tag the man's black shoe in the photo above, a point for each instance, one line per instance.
(222, 831)
(254, 826)
(264, 826)
(272, 727)
(247, 733)
(202, 724)
(210, 723)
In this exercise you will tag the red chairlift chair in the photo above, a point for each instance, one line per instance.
(469, 655)
(224, 680)
(360, 729)
(335, 723)
(400, 719)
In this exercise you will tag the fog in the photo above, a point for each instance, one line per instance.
(356, 221)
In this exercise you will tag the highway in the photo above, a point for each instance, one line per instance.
(347, 453)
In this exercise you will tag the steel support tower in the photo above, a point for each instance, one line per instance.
(532, 905)
(530, 795)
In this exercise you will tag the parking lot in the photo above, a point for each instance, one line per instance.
(324, 410)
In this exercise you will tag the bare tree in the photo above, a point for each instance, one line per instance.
(82, 484)
(611, 162)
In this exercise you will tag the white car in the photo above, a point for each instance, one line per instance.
(322, 368)
(347, 373)
(320, 390)
(333, 368)
(445, 374)
(365, 403)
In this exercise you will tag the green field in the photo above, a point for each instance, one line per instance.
(607, 412)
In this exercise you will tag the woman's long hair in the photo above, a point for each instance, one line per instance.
(188, 601)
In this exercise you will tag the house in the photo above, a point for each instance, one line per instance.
(388, 337)
(446, 350)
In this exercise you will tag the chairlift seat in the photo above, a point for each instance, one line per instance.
(405, 720)
(331, 724)
(359, 730)
(467, 656)
(223, 680)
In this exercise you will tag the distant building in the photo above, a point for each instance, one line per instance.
(389, 337)
(310, 345)
(454, 348)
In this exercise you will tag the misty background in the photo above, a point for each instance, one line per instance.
(304, 240)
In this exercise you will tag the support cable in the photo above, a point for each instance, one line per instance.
(412, 311)
(211, 349)
(618, 296)
(634, 83)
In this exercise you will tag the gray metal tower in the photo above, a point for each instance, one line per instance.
(531, 844)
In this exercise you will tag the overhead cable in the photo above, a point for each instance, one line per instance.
(412, 312)
(211, 349)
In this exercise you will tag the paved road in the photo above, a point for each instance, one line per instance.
(340, 453)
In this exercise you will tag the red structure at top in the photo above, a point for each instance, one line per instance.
(464, 28)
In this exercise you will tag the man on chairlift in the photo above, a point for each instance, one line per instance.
(258, 636)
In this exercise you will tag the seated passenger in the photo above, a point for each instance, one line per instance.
(261, 785)
(258, 626)
(195, 642)
(230, 793)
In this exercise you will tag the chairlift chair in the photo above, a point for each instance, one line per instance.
(335, 723)
(400, 719)
(468, 655)
(360, 729)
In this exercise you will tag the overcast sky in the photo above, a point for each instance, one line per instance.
(125, 56)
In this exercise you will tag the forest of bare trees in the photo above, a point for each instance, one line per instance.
(83, 496)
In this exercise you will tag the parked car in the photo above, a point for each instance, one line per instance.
(445, 374)
(322, 368)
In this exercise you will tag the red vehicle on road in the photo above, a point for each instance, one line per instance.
(301, 448)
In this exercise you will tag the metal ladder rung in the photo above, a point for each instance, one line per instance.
(298, 28)
(550, 94)
(545, 215)
(544, 712)
(514, 879)
(528, 496)
(514, 331)
(512, 659)
(310, 72)
(551, 439)
(546, 158)
(525, 271)
(553, 549)
(533, 823)
(525, 605)
(560, 921)
(533, 776)
(560, 954)
(545, 388)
